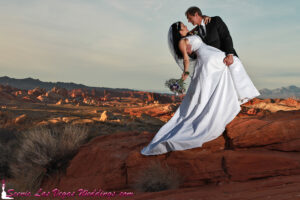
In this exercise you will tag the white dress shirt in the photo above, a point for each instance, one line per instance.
(203, 24)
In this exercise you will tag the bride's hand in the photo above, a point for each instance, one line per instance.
(184, 76)
(206, 19)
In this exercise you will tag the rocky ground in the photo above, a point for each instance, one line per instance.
(259, 158)
(261, 161)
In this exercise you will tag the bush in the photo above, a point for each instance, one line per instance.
(157, 178)
(7, 147)
(44, 151)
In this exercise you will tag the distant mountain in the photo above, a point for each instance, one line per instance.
(30, 83)
(284, 92)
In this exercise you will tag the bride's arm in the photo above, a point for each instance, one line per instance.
(183, 48)
(206, 19)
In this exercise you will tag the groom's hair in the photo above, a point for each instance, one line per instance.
(192, 10)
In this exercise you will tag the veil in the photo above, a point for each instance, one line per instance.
(178, 60)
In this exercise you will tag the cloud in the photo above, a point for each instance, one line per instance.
(99, 39)
(81, 33)
(145, 9)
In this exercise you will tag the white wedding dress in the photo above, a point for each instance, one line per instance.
(212, 100)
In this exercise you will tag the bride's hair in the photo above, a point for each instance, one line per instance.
(173, 42)
(176, 27)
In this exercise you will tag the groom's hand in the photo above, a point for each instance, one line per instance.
(228, 60)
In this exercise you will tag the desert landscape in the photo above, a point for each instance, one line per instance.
(85, 86)
(77, 138)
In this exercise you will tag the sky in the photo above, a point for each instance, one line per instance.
(123, 44)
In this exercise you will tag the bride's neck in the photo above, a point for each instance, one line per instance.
(184, 35)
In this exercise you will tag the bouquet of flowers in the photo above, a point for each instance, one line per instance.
(176, 85)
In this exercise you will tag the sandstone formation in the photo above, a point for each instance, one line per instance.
(20, 119)
(260, 150)
(256, 148)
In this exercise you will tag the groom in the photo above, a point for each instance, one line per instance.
(215, 33)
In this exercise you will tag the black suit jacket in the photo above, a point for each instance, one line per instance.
(218, 36)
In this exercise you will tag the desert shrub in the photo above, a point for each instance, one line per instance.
(7, 147)
(6, 119)
(43, 151)
(157, 178)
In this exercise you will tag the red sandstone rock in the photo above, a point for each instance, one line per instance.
(37, 91)
(78, 93)
(6, 96)
(277, 100)
(19, 93)
(61, 91)
(29, 99)
(252, 111)
(60, 102)
(269, 100)
(289, 102)
(253, 101)
(21, 119)
(250, 164)
(277, 128)
(275, 188)
(43, 98)
(53, 96)
(161, 112)
(264, 147)
(6, 88)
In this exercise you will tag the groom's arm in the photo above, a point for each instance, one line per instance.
(224, 35)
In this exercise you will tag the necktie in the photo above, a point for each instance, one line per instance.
(202, 32)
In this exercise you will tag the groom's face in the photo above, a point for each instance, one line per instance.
(194, 19)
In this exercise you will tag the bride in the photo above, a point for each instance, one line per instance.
(213, 97)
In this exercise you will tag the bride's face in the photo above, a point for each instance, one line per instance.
(183, 29)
